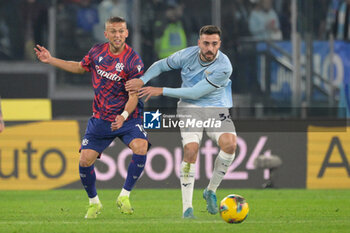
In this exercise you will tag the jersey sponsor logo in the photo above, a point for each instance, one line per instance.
(108, 75)
(119, 67)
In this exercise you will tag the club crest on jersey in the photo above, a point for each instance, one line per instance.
(119, 67)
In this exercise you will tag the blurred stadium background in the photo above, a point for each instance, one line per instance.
(290, 90)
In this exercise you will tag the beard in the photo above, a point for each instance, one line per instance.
(117, 47)
(206, 58)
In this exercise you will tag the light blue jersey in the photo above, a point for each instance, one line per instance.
(203, 84)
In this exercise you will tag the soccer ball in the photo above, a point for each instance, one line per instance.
(234, 209)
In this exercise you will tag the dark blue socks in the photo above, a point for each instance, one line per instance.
(88, 179)
(135, 169)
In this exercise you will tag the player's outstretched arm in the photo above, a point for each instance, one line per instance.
(150, 91)
(153, 71)
(197, 91)
(45, 56)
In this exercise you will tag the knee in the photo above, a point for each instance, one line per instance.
(84, 161)
(190, 153)
(139, 146)
(87, 157)
(228, 143)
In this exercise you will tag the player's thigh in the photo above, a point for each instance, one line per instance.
(98, 136)
(190, 115)
(190, 137)
(225, 135)
(135, 137)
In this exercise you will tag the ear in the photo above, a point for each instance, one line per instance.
(127, 33)
(199, 42)
(105, 33)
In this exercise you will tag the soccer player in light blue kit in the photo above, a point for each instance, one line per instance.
(205, 91)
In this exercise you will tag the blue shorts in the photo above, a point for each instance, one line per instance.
(99, 134)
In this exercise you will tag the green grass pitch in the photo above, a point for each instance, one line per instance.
(159, 210)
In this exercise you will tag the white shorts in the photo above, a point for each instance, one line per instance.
(212, 118)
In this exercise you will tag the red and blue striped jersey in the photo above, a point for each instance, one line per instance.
(109, 75)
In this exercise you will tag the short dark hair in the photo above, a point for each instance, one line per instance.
(116, 19)
(210, 30)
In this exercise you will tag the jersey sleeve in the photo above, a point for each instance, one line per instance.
(86, 61)
(219, 78)
(136, 69)
(175, 61)
(197, 91)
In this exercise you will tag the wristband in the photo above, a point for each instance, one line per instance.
(125, 114)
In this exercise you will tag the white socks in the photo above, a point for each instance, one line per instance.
(94, 200)
(221, 165)
(187, 171)
(124, 192)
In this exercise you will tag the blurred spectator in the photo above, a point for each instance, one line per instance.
(87, 18)
(66, 25)
(263, 22)
(194, 19)
(286, 20)
(170, 32)
(319, 19)
(151, 13)
(331, 14)
(34, 22)
(341, 27)
(235, 15)
(13, 22)
(5, 50)
(107, 9)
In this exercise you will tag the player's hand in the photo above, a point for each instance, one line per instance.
(150, 91)
(118, 123)
(42, 53)
(133, 85)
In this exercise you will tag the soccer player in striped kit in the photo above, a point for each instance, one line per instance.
(205, 94)
(116, 113)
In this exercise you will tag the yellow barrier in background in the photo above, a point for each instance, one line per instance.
(38, 156)
(328, 156)
(26, 109)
